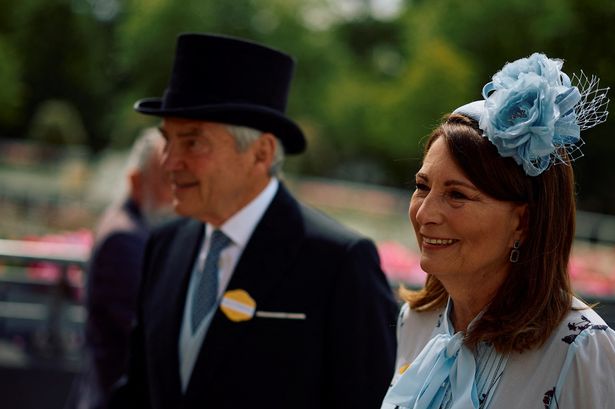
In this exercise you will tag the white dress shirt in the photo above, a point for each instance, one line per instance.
(239, 229)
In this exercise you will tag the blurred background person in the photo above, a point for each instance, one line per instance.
(114, 270)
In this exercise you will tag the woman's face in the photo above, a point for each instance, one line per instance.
(465, 236)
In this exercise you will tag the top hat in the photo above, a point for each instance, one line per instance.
(229, 80)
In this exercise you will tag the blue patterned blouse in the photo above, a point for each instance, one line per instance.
(575, 368)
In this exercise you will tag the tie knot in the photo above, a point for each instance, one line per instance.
(454, 345)
(219, 241)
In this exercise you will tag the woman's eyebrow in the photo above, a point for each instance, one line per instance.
(448, 183)
(462, 183)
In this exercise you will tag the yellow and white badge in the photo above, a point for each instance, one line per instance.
(239, 306)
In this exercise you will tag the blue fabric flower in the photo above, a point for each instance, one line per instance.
(538, 64)
(529, 111)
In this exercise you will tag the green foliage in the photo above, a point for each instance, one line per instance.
(366, 90)
(59, 123)
(11, 88)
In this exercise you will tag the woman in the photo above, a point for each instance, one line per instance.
(496, 324)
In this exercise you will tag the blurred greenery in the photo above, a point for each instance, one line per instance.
(368, 85)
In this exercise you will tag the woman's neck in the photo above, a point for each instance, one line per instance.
(470, 298)
(466, 306)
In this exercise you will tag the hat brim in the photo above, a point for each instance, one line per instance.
(257, 117)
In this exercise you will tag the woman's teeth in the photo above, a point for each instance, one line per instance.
(438, 241)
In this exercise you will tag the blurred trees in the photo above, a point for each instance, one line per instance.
(11, 89)
(368, 85)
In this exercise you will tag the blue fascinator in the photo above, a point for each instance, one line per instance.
(533, 112)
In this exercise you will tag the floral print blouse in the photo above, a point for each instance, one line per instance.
(574, 369)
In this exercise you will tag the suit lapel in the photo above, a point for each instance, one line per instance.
(271, 248)
(264, 261)
(170, 297)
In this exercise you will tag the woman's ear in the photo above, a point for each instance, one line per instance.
(521, 215)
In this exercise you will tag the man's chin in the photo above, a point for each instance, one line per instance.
(181, 210)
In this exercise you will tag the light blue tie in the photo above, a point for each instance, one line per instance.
(205, 293)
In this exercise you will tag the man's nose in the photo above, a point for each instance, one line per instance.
(171, 160)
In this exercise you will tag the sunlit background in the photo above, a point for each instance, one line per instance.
(373, 77)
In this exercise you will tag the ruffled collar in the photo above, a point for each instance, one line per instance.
(444, 363)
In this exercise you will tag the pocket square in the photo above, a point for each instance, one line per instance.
(239, 306)
(281, 315)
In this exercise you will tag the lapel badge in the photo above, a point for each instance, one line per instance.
(237, 305)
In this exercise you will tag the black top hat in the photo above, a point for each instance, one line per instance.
(229, 80)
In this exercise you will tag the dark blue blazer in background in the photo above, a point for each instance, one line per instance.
(297, 260)
(112, 285)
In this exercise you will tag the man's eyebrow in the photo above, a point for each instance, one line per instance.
(192, 132)
(189, 133)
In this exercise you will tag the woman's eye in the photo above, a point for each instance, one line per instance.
(457, 195)
(421, 187)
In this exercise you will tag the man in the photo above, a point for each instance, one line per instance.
(252, 300)
(114, 270)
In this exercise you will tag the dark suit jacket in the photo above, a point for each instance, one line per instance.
(297, 260)
(113, 276)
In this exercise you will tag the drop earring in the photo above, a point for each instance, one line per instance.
(514, 253)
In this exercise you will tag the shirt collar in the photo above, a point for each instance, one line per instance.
(240, 226)
(445, 318)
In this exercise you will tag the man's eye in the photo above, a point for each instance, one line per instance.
(194, 145)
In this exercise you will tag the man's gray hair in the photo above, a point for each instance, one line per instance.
(245, 136)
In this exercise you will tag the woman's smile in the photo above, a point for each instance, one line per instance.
(430, 241)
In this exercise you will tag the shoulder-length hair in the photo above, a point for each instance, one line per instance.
(536, 294)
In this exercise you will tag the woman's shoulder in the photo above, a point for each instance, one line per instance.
(415, 329)
(586, 377)
(581, 327)
(581, 346)
(582, 320)
(408, 316)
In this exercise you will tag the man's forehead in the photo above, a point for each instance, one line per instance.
(181, 127)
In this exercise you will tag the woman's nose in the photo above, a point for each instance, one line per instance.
(429, 210)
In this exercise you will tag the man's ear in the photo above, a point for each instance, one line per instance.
(264, 152)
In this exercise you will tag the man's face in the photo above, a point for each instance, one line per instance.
(211, 180)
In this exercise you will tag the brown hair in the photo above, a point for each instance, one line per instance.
(536, 294)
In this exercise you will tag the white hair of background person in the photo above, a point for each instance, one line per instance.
(146, 147)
